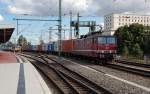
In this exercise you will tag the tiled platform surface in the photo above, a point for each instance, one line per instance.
(21, 78)
(7, 57)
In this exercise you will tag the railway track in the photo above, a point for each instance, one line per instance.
(65, 80)
(135, 68)
(133, 63)
(131, 69)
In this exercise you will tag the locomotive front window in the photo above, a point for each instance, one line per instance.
(101, 40)
(111, 40)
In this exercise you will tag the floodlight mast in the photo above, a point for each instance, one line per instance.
(59, 30)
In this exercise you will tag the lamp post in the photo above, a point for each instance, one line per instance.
(50, 34)
(70, 25)
(78, 22)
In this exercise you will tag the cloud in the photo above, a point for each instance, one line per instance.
(44, 7)
(87, 7)
(14, 10)
(1, 18)
(121, 6)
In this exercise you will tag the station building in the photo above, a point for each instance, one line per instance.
(113, 21)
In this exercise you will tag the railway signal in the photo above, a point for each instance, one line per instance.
(77, 24)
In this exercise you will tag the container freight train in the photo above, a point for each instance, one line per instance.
(95, 47)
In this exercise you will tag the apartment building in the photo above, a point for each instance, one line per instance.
(113, 21)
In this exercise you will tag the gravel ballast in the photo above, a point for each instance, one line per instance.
(106, 81)
(144, 81)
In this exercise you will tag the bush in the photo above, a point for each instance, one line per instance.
(136, 51)
(125, 51)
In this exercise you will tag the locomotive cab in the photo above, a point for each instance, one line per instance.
(106, 46)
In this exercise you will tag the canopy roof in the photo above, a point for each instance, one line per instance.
(5, 34)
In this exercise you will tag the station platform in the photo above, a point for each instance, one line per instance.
(7, 57)
(20, 76)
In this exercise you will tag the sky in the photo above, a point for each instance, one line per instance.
(90, 10)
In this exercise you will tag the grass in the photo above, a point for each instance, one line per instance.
(135, 59)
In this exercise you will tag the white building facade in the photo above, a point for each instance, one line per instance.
(113, 21)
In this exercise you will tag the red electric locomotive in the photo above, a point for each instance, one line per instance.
(94, 46)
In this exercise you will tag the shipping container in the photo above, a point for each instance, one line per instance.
(44, 47)
(39, 48)
(50, 47)
(55, 44)
(67, 46)
(34, 47)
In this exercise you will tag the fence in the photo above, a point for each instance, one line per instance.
(135, 59)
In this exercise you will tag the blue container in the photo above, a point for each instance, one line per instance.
(50, 47)
(55, 45)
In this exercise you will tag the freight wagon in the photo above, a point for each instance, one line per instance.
(67, 46)
(95, 47)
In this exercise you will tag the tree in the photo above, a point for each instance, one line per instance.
(125, 51)
(22, 41)
(147, 44)
(124, 38)
(137, 31)
(41, 42)
(131, 39)
(10, 44)
(136, 51)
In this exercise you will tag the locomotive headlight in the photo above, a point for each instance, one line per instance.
(102, 51)
(110, 51)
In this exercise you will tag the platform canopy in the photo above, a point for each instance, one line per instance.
(5, 34)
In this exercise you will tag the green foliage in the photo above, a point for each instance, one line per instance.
(125, 51)
(131, 40)
(136, 50)
(22, 41)
(147, 44)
